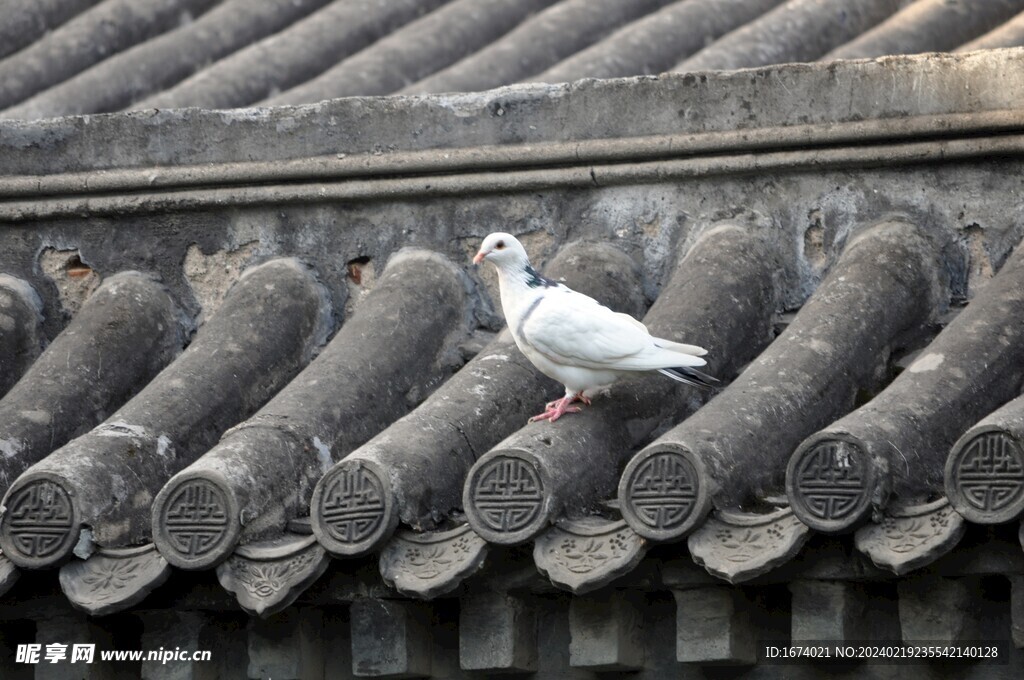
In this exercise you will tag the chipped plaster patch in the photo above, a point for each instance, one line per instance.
(120, 428)
(360, 276)
(815, 249)
(980, 269)
(86, 545)
(929, 362)
(820, 346)
(11, 447)
(323, 454)
(210, 276)
(37, 416)
(74, 280)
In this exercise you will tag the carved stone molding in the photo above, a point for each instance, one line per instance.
(664, 494)
(832, 483)
(193, 521)
(985, 477)
(113, 579)
(353, 509)
(505, 499)
(912, 536)
(267, 576)
(738, 546)
(40, 523)
(430, 564)
(656, 157)
(583, 555)
(8, 574)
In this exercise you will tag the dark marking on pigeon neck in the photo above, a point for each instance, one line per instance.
(526, 315)
(535, 280)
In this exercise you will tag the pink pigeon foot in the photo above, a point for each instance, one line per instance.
(556, 409)
(576, 397)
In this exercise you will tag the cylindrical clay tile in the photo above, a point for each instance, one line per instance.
(126, 332)
(104, 481)
(799, 30)
(26, 20)
(929, 26)
(90, 37)
(21, 338)
(296, 54)
(1010, 34)
(984, 472)
(262, 472)
(419, 464)
(896, 444)
(720, 297)
(537, 43)
(415, 51)
(734, 450)
(658, 41)
(165, 60)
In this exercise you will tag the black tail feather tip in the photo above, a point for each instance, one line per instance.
(690, 376)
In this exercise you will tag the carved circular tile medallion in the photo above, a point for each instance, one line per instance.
(830, 482)
(985, 477)
(195, 524)
(352, 509)
(663, 494)
(504, 499)
(39, 526)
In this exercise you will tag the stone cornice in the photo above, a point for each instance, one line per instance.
(489, 169)
(887, 112)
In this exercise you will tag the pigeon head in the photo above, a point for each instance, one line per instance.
(504, 251)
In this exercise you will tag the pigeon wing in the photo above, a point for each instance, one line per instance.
(576, 330)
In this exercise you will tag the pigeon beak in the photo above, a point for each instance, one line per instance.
(479, 257)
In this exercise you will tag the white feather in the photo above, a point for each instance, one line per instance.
(571, 337)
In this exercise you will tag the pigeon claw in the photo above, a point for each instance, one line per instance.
(556, 409)
(554, 414)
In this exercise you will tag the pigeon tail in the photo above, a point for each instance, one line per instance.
(689, 376)
(692, 350)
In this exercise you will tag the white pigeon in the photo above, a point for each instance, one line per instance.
(573, 338)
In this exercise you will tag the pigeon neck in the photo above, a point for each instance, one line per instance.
(533, 279)
(521, 281)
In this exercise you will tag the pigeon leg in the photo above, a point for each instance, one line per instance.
(557, 409)
(579, 396)
(575, 397)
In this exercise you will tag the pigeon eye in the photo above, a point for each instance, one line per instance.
(499, 245)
